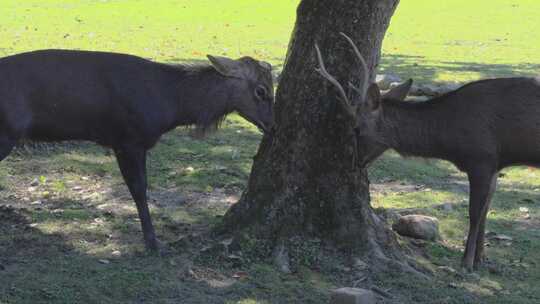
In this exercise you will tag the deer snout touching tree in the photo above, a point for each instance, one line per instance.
(481, 128)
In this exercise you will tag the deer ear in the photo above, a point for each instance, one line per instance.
(265, 65)
(399, 92)
(226, 66)
(373, 97)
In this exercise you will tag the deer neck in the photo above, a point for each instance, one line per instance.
(415, 129)
(204, 98)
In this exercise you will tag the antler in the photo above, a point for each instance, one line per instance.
(324, 73)
(365, 81)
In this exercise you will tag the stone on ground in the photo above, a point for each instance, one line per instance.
(385, 81)
(417, 226)
(349, 295)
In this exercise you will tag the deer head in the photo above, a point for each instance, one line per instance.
(365, 107)
(253, 92)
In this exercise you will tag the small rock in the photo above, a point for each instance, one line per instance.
(386, 80)
(2, 267)
(349, 295)
(524, 209)
(418, 226)
(34, 182)
(116, 253)
(38, 202)
(32, 189)
(104, 261)
(77, 188)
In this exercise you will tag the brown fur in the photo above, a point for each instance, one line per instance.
(481, 128)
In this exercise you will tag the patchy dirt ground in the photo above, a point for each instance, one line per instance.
(69, 231)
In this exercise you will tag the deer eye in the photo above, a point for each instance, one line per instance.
(261, 92)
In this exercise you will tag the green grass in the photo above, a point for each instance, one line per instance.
(459, 40)
(54, 251)
(431, 41)
(517, 270)
(164, 30)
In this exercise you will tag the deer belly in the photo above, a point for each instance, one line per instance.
(59, 126)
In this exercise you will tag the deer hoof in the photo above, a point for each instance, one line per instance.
(158, 247)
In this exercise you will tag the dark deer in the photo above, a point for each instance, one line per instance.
(481, 128)
(126, 103)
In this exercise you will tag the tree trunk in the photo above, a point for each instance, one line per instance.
(306, 180)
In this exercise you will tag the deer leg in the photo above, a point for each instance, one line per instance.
(480, 182)
(132, 163)
(479, 254)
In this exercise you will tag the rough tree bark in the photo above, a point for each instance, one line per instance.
(306, 179)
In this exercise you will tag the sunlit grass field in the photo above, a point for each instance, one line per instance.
(74, 237)
(432, 41)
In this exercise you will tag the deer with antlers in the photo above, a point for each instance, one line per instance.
(481, 128)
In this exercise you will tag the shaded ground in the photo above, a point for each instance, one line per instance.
(71, 235)
(69, 231)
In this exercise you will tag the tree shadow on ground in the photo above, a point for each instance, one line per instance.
(508, 261)
(422, 71)
(61, 257)
(66, 243)
(416, 173)
(407, 66)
